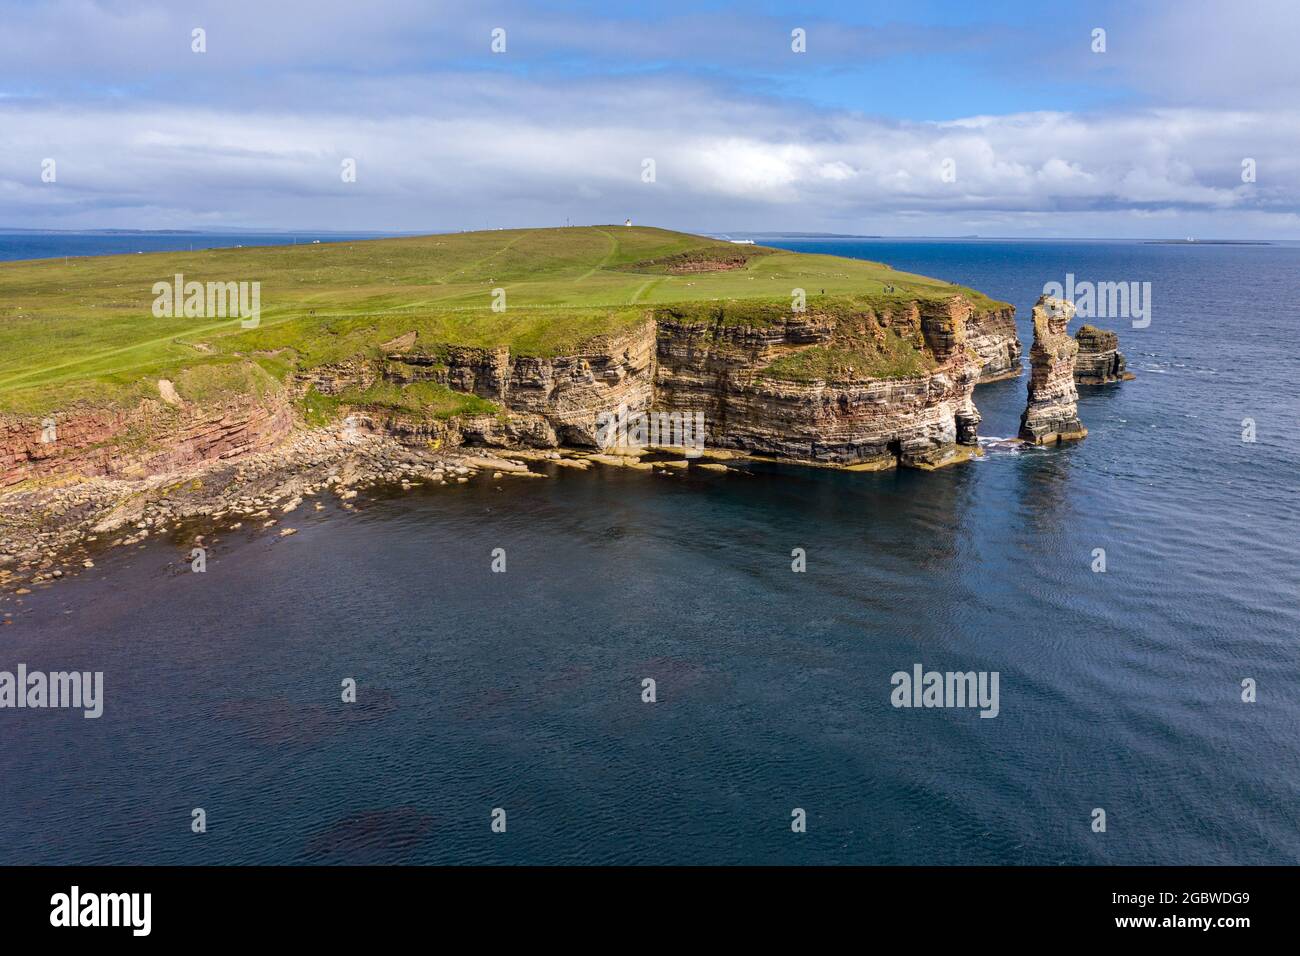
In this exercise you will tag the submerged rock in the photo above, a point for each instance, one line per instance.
(1051, 414)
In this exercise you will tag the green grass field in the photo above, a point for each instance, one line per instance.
(82, 330)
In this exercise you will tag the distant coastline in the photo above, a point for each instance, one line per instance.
(223, 231)
(748, 234)
(1208, 242)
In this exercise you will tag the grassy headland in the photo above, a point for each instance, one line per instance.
(82, 331)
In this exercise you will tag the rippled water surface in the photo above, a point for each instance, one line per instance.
(523, 690)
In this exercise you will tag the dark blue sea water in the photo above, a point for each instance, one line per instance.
(51, 245)
(1118, 690)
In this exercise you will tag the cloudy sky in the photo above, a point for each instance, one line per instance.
(924, 117)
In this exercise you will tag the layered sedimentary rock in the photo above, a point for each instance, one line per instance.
(840, 402)
(151, 438)
(688, 361)
(847, 417)
(551, 401)
(1052, 414)
(992, 337)
(1099, 360)
(333, 379)
(567, 391)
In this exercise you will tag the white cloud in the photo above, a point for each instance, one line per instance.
(769, 169)
(148, 134)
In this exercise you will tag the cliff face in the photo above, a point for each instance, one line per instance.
(992, 336)
(568, 391)
(688, 362)
(551, 401)
(879, 372)
(1099, 360)
(831, 405)
(149, 439)
(845, 417)
(1051, 414)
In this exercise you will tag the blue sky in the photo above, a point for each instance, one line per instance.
(921, 118)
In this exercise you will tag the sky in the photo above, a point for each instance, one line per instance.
(924, 118)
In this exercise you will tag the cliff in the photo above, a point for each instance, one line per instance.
(812, 358)
(152, 438)
(810, 387)
(1099, 360)
(992, 336)
(1051, 414)
(806, 386)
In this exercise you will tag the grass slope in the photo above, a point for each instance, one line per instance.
(82, 329)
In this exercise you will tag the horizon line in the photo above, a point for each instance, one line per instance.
(781, 233)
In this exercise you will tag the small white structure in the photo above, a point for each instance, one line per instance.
(627, 222)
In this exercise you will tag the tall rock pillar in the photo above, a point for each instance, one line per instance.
(1052, 413)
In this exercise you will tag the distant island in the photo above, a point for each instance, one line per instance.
(1208, 242)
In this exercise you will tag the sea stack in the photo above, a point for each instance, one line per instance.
(1099, 361)
(1052, 413)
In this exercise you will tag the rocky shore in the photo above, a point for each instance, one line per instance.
(52, 531)
(111, 478)
(171, 467)
(257, 424)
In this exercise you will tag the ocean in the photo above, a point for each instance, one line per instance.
(523, 691)
(54, 245)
